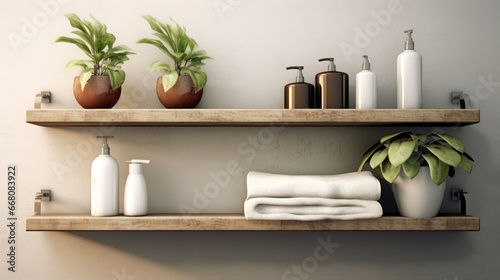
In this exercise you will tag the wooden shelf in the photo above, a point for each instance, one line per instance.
(251, 117)
(237, 222)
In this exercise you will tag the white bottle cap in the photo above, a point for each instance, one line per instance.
(146, 161)
(135, 166)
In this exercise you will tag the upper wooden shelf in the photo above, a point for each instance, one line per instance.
(237, 222)
(251, 117)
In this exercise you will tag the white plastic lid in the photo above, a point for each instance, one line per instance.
(135, 166)
(146, 161)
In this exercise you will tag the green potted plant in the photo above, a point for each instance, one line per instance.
(181, 85)
(101, 78)
(417, 165)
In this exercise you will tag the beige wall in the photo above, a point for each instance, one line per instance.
(252, 41)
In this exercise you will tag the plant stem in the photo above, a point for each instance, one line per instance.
(178, 68)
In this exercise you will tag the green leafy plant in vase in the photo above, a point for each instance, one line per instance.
(182, 83)
(418, 166)
(101, 78)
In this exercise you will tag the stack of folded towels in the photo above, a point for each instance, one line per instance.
(316, 197)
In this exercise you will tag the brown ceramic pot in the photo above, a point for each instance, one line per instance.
(97, 93)
(182, 95)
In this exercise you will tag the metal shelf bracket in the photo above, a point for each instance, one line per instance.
(42, 195)
(42, 97)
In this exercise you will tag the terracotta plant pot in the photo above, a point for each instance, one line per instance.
(97, 93)
(182, 95)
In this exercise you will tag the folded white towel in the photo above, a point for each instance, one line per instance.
(310, 209)
(354, 185)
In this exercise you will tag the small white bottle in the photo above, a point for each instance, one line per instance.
(366, 87)
(135, 201)
(409, 72)
(104, 183)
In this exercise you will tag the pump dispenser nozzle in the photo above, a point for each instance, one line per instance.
(366, 63)
(409, 44)
(331, 66)
(105, 147)
(135, 166)
(299, 94)
(300, 76)
(146, 161)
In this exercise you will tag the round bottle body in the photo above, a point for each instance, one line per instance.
(409, 80)
(135, 201)
(332, 90)
(104, 190)
(299, 96)
(366, 90)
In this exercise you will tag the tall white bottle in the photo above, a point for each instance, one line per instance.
(135, 201)
(409, 81)
(366, 87)
(104, 183)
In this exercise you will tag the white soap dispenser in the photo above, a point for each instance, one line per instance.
(104, 183)
(409, 72)
(366, 87)
(135, 202)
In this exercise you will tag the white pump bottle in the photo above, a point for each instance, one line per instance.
(409, 72)
(366, 87)
(104, 183)
(135, 201)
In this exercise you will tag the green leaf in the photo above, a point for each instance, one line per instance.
(85, 76)
(422, 137)
(368, 153)
(400, 151)
(116, 78)
(157, 44)
(438, 169)
(111, 41)
(389, 171)
(446, 154)
(454, 142)
(153, 23)
(89, 27)
(78, 42)
(414, 158)
(195, 63)
(97, 57)
(81, 63)
(76, 22)
(101, 42)
(192, 44)
(166, 38)
(169, 79)
(200, 79)
(178, 56)
(160, 65)
(411, 169)
(415, 139)
(182, 44)
(466, 164)
(186, 72)
(85, 37)
(378, 157)
(197, 55)
(391, 136)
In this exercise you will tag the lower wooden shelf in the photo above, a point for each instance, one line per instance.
(237, 222)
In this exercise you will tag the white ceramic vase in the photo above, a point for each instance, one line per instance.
(418, 197)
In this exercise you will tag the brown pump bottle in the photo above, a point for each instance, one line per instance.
(332, 88)
(299, 95)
